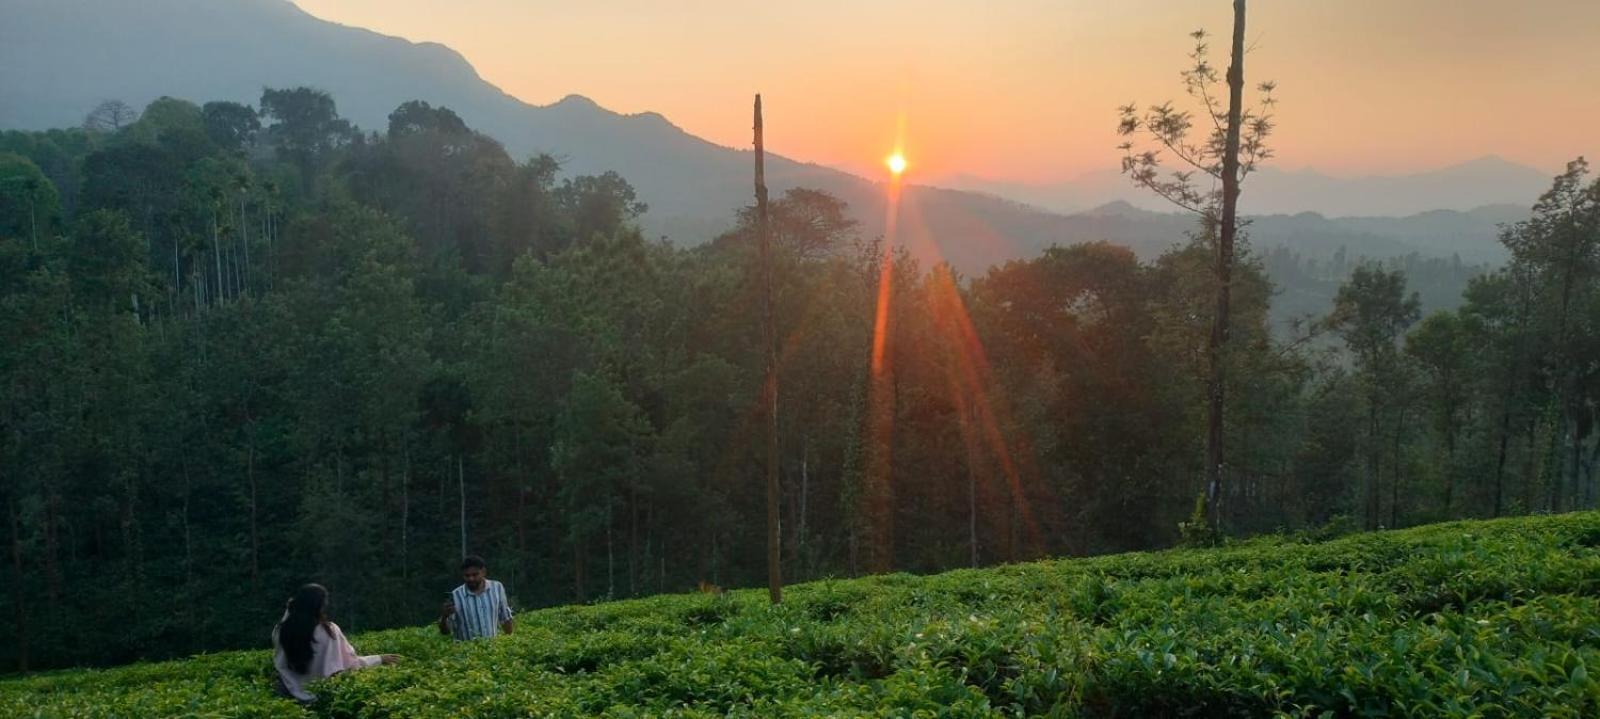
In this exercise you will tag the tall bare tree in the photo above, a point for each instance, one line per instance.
(769, 385)
(1234, 141)
(110, 116)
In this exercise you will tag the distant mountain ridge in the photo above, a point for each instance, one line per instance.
(1486, 181)
(58, 58)
(1473, 235)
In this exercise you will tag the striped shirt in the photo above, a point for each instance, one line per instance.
(481, 614)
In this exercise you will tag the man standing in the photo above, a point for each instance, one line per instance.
(477, 608)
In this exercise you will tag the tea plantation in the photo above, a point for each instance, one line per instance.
(1468, 619)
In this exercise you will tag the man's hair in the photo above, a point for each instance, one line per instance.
(472, 561)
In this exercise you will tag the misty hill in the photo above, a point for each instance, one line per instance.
(1437, 233)
(58, 58)
(1487, 180)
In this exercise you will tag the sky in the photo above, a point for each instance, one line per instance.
(1027, 90)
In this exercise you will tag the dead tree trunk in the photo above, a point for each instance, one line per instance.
(805, 491)
(1394, 459)
(633, 539)
(522, 492)
(52, 546)
(255, 538)
(769, 386)
(405, 510)
(1374, 466)
(611, 555)
(461, 487)
(579, 567)
(19, 594)
(216, 251)
(244, 244)
(1449, 465)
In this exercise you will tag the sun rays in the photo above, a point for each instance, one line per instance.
(1000, 477)
(970, 380)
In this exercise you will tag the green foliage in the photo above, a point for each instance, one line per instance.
(1467, 619)
(1196, 531)
(30, 208)
(306, 127)
(172, 123)
(805, 225)
(599, 204)
(57, 153)
(1372, 311)
(238, 358)
(230, 125)
(106, 259)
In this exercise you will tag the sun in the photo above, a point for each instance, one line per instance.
(896, 163)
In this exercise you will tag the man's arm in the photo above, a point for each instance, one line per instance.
(507, 624)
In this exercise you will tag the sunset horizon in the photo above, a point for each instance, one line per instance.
(900, 358)
(1004, 95)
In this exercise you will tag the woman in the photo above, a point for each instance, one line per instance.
(307, 647)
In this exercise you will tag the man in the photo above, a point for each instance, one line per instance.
(477, 608)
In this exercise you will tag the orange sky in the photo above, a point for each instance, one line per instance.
(1027, 89)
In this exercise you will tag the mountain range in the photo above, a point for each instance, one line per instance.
(1487, 180)
(58, 58)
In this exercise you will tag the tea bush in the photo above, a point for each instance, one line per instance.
(1467, 619)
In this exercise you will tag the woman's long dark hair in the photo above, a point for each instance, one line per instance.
(307, 611)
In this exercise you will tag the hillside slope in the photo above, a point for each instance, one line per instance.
(58, 58)
(1487, 618)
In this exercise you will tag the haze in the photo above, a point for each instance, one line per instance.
(1025, 90)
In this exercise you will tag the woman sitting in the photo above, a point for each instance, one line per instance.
(307, 647)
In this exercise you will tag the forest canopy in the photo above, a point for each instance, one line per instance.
(251, 347)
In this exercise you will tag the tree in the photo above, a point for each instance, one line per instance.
(804, 224)
(109, 116)
(449, 182)
(526, 216)
(306, 127)
(1235, 141)
(1558, 251)
(769, 383)
(1371, 313)
(600, 439)
(28, 200)
(107, 261)
(177, 125)
(1496, 316)
(416, 116)
(1264, 376)
(599, 204)
(1440, 347)
(1071, 328)
(232, 126)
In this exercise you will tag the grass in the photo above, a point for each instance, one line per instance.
(1467, 619)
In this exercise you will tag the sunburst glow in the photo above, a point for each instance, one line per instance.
(896, 163)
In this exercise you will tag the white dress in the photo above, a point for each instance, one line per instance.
(329, 656)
